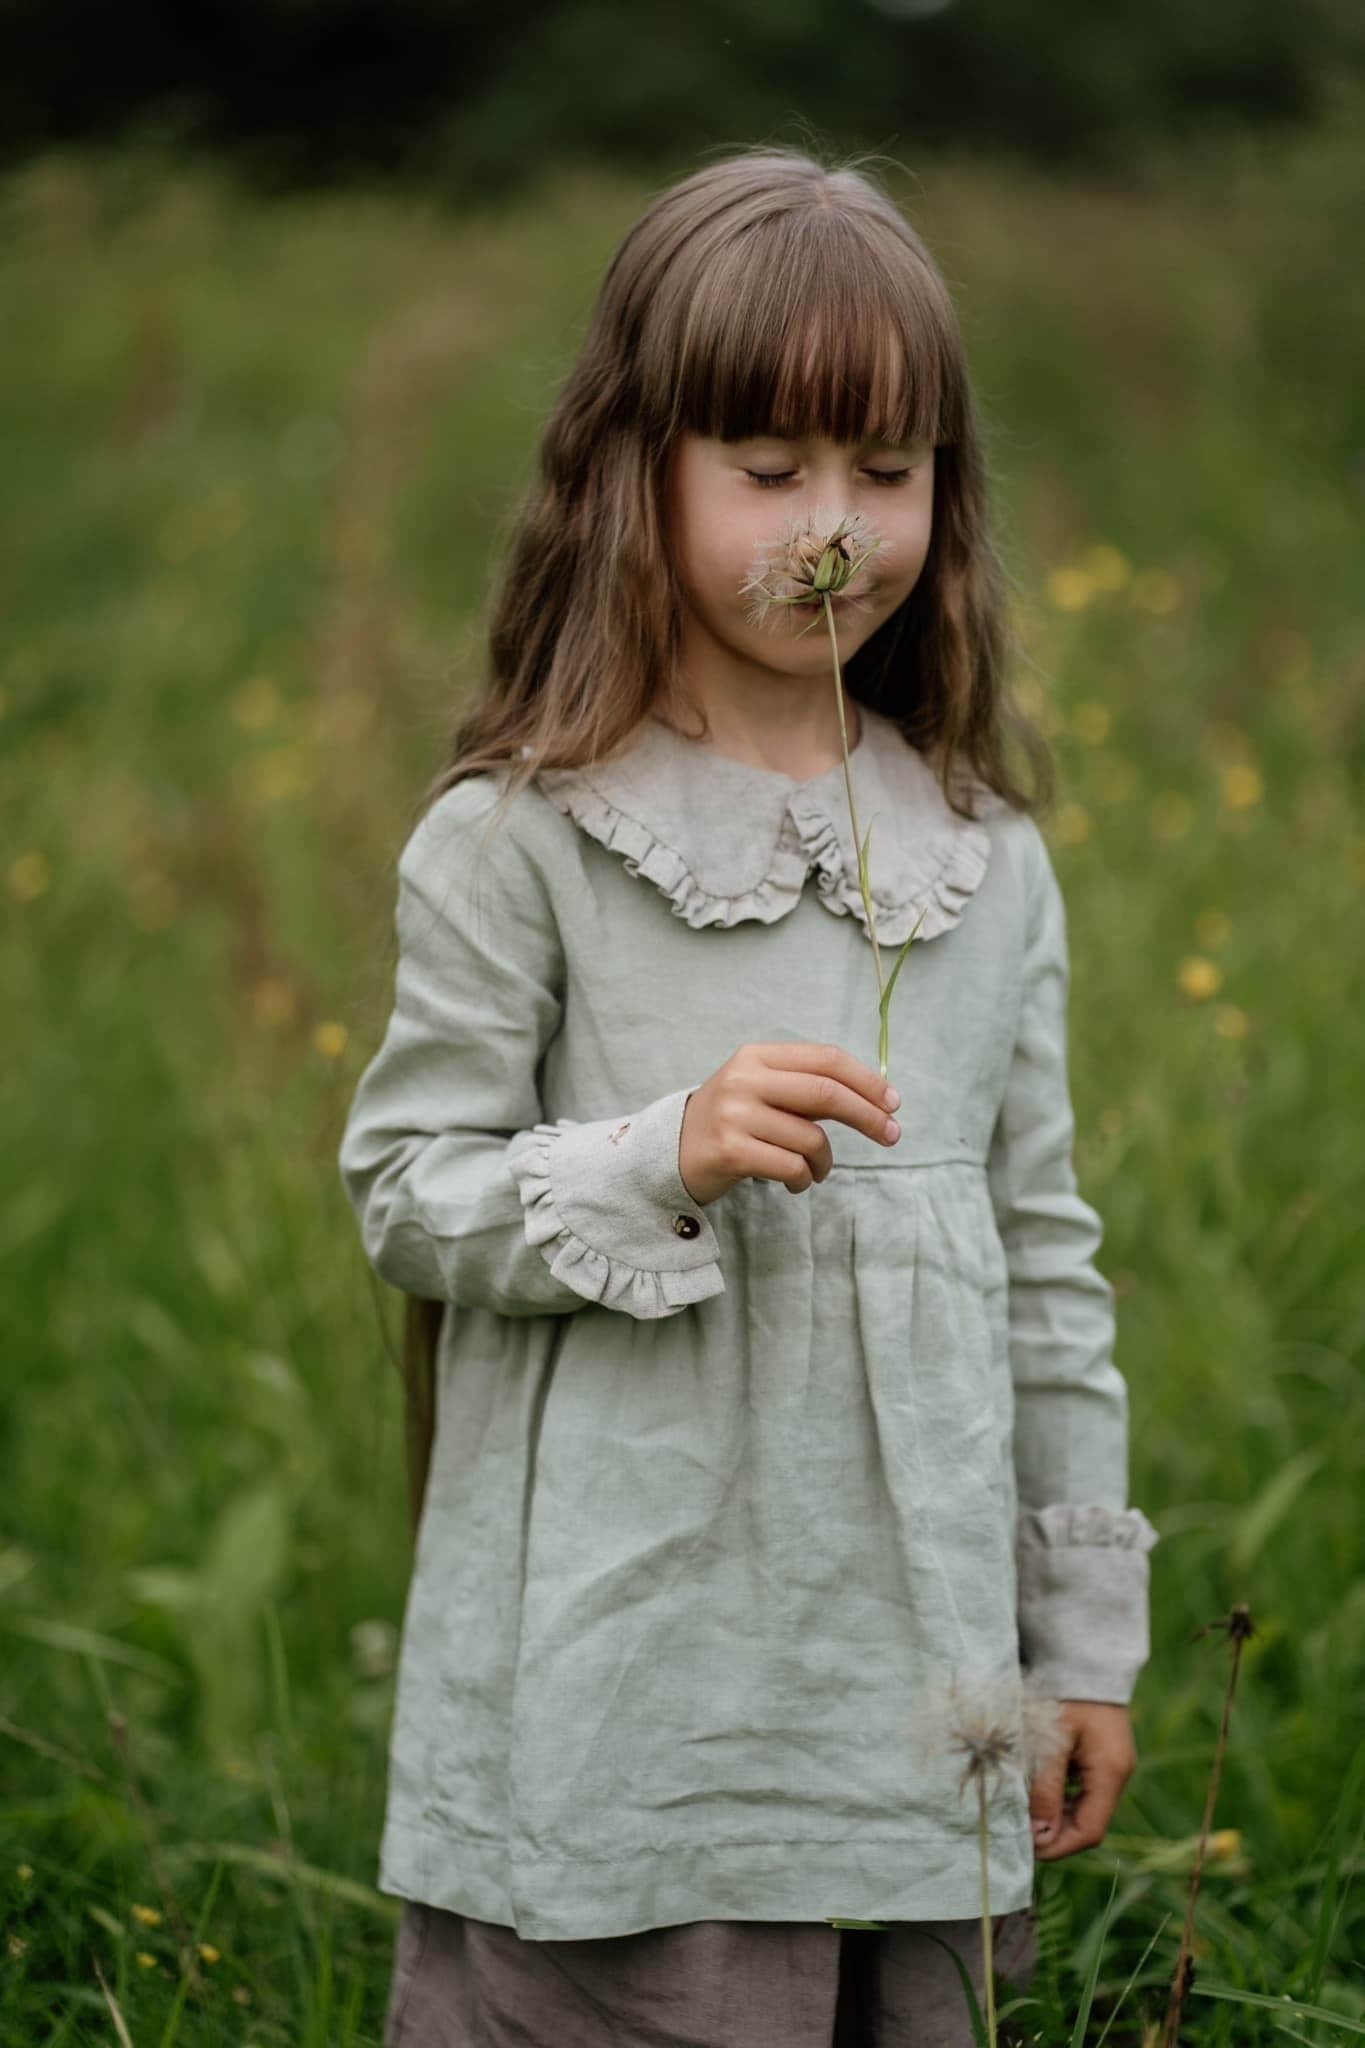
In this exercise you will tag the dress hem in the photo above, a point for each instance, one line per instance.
(550, 1899)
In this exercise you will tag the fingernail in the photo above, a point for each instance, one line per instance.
(1042, 1831)
(892, 1098)
(893, 1129)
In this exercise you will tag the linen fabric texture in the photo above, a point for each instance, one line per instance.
(723, 1497)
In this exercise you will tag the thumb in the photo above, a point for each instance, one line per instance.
(1046, 1793)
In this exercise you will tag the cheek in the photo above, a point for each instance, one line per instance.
(720, 557)
(909, 537)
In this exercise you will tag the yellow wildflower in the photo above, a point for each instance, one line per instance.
(1200, 977)
(29, 875)
(148, 1915)
(330, 1039)
(1240, 785)
(274, 1000)
(1073, 824)
(1069, 589)
(1105, 566)
(1092, 722)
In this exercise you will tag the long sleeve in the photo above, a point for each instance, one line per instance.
(462, 1192)
(1082, 1552)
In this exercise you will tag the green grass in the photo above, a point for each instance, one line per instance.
(255, 464)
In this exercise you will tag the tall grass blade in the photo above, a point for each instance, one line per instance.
(1092, 1975)
(1290, 2007)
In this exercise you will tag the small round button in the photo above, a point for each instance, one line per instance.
(686, 1226)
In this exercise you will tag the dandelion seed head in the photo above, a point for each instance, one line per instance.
(786, 570)
(995, 1723)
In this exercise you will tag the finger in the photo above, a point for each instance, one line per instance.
(774, 1162)
(810, 1056)
(1084, 1825)
(1045, 1801)
(816, 1095)
(1047, 1790)
(793, 1134)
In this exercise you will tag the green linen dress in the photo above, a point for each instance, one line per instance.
(722, 1496)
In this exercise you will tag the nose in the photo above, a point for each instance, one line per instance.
(829, 487)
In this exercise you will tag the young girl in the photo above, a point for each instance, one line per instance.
(761, 1401)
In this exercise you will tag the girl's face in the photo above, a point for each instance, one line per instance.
(727, 497)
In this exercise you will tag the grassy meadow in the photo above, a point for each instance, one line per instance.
(256, 461)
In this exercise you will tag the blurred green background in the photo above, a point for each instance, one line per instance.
(478, 99)
(259, 449)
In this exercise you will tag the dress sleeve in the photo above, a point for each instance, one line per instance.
(462, 1191)
(1081, 1552)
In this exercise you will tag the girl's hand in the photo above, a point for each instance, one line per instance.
(756, 1116)
(1103, 1756)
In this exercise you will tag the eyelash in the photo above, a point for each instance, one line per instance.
(766, 479)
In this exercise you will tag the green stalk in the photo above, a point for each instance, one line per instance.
(848, 785)
(987, 1948)
(884, 987)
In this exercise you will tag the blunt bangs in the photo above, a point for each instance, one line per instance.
(807, 324)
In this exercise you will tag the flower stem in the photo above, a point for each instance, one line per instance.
(987, 1951)
(852, 810)
(1184, 1968)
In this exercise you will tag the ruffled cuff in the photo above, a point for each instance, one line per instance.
(607, 1206)
(1083, 1610)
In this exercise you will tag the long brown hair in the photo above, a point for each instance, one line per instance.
(716, 301)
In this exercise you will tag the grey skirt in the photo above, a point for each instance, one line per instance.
(462, 1983)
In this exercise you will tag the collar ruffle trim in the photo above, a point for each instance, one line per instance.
(726, 842)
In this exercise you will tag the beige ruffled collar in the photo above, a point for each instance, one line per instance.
(726, 841)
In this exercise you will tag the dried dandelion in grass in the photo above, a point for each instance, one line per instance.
(1239, 1628)
(997, 1725)
(813, 563)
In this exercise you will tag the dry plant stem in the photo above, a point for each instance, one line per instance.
(120, 2025)
(49, 1749)
(987, 1951)
(1239, 1627)
(852, 811)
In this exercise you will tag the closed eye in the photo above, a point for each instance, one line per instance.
(765, 479)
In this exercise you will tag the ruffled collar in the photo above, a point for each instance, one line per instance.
(725, 841)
